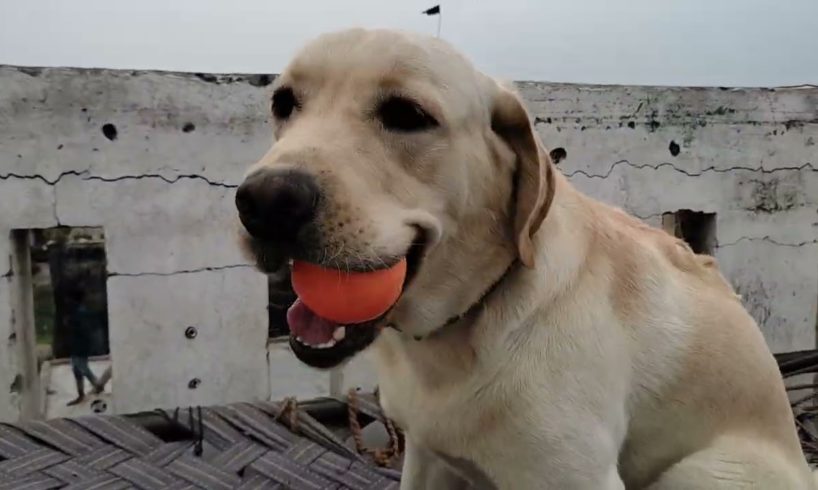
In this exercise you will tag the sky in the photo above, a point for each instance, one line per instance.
(642, 42)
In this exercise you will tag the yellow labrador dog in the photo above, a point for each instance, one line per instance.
(543, 339)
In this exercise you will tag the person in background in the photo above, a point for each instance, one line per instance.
(79, 344)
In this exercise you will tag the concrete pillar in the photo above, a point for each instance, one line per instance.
(23, 315)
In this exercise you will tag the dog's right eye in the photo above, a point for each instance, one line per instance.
(284, 103)
(404, 115)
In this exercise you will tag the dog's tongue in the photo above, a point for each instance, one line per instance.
(307, 326)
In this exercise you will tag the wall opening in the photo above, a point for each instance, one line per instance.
(280, 296)
(696, 228)
(66, 278)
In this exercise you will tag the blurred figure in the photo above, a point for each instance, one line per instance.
(79, 344)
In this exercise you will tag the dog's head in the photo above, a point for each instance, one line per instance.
(391, 145)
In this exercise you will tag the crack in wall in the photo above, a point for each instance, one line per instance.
(806, 166)
(55, 211)
(648, 216)
(667, 120)
(85, 176)
(180, 272)
(767, 238)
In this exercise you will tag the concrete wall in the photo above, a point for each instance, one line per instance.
(748, 155)
(10, 367)
(162, 189)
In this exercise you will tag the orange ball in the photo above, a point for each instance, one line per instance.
(348, 297)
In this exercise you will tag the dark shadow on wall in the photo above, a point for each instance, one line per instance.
(696, 228)
(280, 297)
(64, 259)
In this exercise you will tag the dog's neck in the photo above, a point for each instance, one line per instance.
(469, 313)
(450, 354)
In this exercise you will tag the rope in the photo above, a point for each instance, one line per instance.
(382, 456)
(289, 409)
(195, 427)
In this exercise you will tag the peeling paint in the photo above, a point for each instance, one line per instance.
(746, 155)
(31, 71)
(769, 198)
(256, 80)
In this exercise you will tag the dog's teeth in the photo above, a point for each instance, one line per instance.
(326, 345)
(339, 333)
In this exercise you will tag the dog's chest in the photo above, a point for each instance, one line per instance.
(458, 427)
(441, 419)
(451, 434)
(443, 425)
(469, 471)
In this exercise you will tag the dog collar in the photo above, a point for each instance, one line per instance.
(474, 306)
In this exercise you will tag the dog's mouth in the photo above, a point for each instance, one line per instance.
(324, 344)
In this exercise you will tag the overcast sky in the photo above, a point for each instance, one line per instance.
(665, 42)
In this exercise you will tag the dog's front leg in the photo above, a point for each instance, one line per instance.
(575, 454)
(556, 474)
(423, 470)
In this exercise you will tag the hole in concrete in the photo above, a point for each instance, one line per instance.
(280, 296)
(65, 278)
(260, 80)
(163, 426)
(632, 125)
(558, 155)
(674, 148)
(109, 130)
(188, 127)
(16, 384)
(696, 228)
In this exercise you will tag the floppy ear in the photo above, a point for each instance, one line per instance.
(534, 172)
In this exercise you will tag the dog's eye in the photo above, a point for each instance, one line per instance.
(284, 102)
(400, 114)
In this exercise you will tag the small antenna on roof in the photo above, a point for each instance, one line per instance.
(435, 11)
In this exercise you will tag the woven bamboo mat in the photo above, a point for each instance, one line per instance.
(241, 446)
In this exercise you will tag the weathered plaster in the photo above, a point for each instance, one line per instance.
(154, 158)
(9, 365)
(153, 360)
(748, 155)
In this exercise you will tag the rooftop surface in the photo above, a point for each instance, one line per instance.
(241, 446)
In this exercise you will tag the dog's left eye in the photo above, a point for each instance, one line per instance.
(284, 103)
(404, 115)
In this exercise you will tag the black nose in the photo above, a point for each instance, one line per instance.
(276, 204)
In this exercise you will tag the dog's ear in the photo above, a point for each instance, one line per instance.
(534, 172)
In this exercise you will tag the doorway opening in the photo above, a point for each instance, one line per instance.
(696, 228)
(61, 278)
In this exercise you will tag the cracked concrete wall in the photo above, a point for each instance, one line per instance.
(160, 181)
(748, 155)
(9, 397)
(154, 159)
